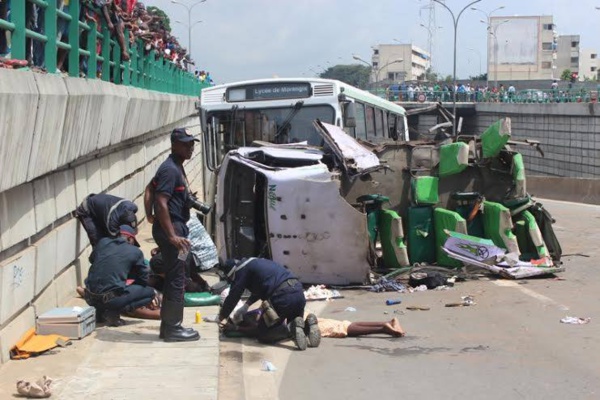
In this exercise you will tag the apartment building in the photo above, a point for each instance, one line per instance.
(387, 66)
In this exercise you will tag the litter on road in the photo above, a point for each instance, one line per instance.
(575, 320)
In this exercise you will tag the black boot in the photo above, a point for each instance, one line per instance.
(311, 330)
(171, 315)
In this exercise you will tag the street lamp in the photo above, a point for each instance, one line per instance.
(493, 32)
(488, 17)
(398, 60)
(430, 42)
(479, 55)
(455, 20)
(189, 24)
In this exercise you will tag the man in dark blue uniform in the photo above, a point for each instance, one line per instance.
(283, 301)
(169, 194)
(114, 260)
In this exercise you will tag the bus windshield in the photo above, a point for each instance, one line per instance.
(240, 127)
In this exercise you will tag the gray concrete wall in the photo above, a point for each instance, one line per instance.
(61, 139)
(569, 134)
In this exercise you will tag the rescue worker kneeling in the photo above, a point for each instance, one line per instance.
(114, 260)
(282, 298)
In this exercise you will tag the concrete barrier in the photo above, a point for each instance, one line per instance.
(62, 139)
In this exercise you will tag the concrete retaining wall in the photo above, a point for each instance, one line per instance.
(61, 139)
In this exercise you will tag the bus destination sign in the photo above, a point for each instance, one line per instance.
(270, 91)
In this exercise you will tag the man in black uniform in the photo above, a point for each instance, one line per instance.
(283, 301)
(170, 192)
(114, 260)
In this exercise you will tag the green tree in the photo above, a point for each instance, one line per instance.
(566, 75)
(353, 74)
(155, 11)
(482, 77)
(448, 79)
(431, 76)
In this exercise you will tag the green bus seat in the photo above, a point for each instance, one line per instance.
(421, 235)
(518, 170)
(497, 225)
(425, 190)
(447, 220)
(391, 236)
(454, 158)
(495, 137)
(529, 237)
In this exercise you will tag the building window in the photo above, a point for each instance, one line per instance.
(375, 64)
(574, 44)
(548, 27)
(575, 60)
(546, 65)
(593, 69)
(547, 46)
(593, 56)
(375, 51)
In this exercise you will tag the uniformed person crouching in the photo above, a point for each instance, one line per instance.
(282, 298)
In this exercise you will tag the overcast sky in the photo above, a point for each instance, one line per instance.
(248, 39)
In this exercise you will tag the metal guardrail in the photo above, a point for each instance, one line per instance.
(520, 96)
(146, 71)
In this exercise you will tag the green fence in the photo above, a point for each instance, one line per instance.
(143, 71)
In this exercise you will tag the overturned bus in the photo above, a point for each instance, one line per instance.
(332, 212)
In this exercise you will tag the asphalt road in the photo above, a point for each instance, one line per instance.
(509, 345)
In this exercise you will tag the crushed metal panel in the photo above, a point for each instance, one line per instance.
(313, 230)
(356, 158)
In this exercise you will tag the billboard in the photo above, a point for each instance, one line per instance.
(515, 40)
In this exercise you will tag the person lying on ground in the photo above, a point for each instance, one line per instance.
(330, 328)
(114, 260)
(282, 298)
(194, 283)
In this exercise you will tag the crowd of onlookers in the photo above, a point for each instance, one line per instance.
(429, 91)
(128, 21)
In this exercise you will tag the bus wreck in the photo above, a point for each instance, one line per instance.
(330, 213)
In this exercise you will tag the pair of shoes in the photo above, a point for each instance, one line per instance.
(312, 331)
(297, 332)
(112, 318)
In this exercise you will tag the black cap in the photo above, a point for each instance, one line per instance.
(181, 135)
(128, 231)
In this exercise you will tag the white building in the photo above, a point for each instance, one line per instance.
(588, 64)
(387, 66)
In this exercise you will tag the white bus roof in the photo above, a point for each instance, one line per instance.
(348, 90)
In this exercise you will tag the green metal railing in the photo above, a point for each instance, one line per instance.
(143, 71)
(574, 95)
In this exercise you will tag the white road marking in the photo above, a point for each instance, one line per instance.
(531, 293)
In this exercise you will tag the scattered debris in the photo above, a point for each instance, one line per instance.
(575, 320)
(466, 302)
(320, 292)
(350, 309)
(268, 366)
(484, 254)
(391, 302)
(421, 288)
(418, 308)
(32, 345)
(429, 279)
(37, 390)
(383, 284)
(211, 318)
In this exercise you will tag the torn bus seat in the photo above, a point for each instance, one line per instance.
(518, 172)
(391, 236)
(494, 138)
(530, 239)
(446, 220)
(425, 190)
(497, 224)
(454, 158)
(421, 236)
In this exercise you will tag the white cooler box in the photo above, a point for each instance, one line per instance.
(72, 322)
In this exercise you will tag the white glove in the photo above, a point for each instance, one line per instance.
(238, 315)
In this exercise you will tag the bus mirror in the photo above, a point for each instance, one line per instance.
(349, 115)
(203, 119)
(393, 127)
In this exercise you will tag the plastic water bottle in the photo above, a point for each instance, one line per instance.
(391, 302)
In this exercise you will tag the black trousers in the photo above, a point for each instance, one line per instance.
(289, 302)
(127, 300)
(174, 268)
